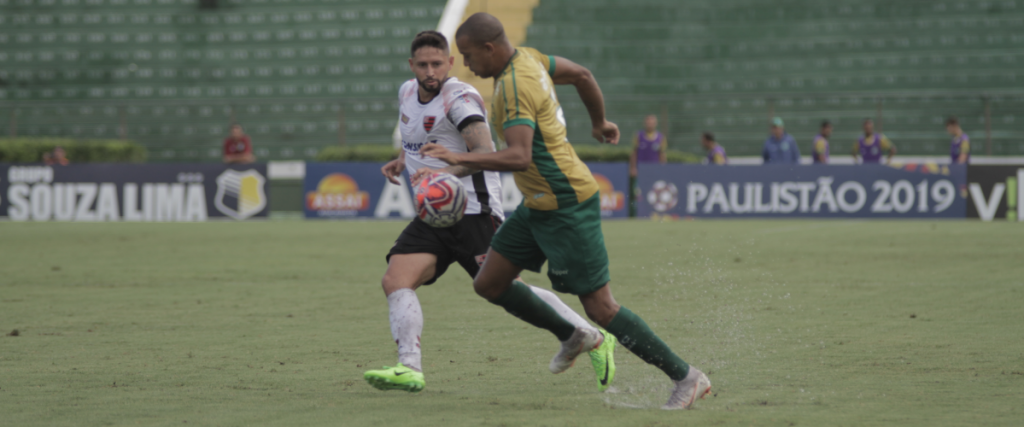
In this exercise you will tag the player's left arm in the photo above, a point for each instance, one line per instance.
(567, 72)
(515, 158)
(892, 149)
(478, 140)
(965, 148)
(663, 155)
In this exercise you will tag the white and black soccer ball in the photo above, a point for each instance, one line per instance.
(663, 196)
(440, 200)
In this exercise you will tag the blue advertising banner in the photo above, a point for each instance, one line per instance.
(132, 192)
(351, 190)
(358, 190)
(613, 181)
(861, 191)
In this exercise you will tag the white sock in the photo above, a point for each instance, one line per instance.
(406, 318)
(563, 310)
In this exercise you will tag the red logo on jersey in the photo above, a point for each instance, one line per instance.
(480, 259)
(428, 122)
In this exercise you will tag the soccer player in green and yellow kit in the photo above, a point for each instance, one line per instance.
(559, 220)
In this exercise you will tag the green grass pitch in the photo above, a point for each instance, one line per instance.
(273, 323)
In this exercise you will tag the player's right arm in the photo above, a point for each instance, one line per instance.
(394, 168)
(567, 72)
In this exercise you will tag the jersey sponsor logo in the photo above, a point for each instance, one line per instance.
(428, 122)
(240, 193)
(338, 193)
(558, 272)
(480, 259)
(414, 147)
(405, 118)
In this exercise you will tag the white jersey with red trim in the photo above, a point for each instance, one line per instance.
(437, 122)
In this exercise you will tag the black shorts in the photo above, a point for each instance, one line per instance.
(466, 242)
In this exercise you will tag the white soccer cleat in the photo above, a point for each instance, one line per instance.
(695, 386)
(581, 341)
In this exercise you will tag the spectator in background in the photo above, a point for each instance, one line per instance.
(960, 147)
(238, 147)
(780, 147)
(716, 154)
(59, 157)
(649, 145)
(819, 151)
(871, 146)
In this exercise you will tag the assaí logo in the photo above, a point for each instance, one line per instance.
(337, 194)
(611, 200)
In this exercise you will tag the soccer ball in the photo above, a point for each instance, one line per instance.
(663, 196)
(440, 200)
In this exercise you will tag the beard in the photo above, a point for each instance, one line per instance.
(428, 89)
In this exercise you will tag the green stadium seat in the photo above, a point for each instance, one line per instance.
(705, 63)
(140, 52)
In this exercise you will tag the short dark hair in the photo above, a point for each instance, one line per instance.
(952, 121)
(428, 38)
(868, 120)
(235, 125)
(481, 27)
(708, 136)
(825, 124)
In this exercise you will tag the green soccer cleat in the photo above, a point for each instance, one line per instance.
(396, 378)
(603, 359)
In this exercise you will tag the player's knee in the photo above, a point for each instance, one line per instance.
(600, 315)
(489, 289)
(600, 310)
(390, 284)
(483, 290)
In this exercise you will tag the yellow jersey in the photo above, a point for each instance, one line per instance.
(524, 94)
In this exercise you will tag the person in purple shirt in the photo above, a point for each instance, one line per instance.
(780, 147)
(871, 146)
(649, 145)
(716, 154)
(960, 146)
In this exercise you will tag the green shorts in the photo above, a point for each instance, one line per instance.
(570, 239)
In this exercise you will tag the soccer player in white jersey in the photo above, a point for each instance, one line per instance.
(437, 109)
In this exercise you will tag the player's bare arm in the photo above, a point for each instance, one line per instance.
(478, 140)
(394, 168)
(571, 73)
(516, 157)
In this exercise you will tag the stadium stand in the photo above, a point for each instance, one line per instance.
(302, 74)
(728, 65)
(298, 74)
